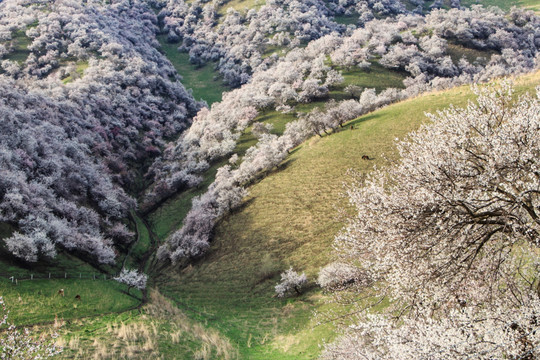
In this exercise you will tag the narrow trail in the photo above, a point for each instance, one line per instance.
(132, 245)
(154, 242)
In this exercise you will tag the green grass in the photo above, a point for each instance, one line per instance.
(270, 50)
(505, 4)
(347, 19)
(242, 308)
(241, 6)
(530, 4)
(169, 216)
(157, 331)
(290, 219)
(204, 81)
(456, 52)
(20, 47)
(143, 241)
(38, 301)
(81, 66)
(377, 77)
(142, 244)
(62, 263)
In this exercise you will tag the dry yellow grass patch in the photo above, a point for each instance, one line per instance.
(140, 337)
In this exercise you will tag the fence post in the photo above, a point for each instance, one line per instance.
(31, 276)
(16, 283)
(80, 276)
(104, 277)
(49, 275)
(65, 275)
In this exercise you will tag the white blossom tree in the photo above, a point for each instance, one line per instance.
(132, 278)
(338, 276)
(291, 282)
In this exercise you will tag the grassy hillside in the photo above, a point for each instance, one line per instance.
(205, 83)
(290, 219)
(157, 331)
(169, 216)
(505, 4)
(38, 301)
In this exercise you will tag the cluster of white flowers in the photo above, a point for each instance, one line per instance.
(20, 344)
(132, 278)
(291, 283)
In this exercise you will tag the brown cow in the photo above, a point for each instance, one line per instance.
(365, 157)
(78, 297)
(61, 292)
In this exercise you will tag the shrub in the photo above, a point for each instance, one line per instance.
(290, 282)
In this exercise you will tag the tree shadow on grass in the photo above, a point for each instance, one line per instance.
(356, 122)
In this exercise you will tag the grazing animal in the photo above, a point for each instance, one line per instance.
(61, 292)
(365, 157)
(352, 127)
(78, 297)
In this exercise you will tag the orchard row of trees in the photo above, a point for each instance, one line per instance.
(70, 148)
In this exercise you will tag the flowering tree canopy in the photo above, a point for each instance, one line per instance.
(291, 282)
(464, 195)
(132, 278)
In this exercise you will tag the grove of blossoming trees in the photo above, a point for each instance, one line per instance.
(239, 42)
(115, 103)
(71, 149)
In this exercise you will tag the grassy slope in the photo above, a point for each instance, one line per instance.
(157, 331)
(289, 218)
(241, 6)
(170, 215)
(228, 291)
(505, 4)
(37, 301)
(20, 50)
(204, 81)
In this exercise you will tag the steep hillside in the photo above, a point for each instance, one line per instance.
(290, 219)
